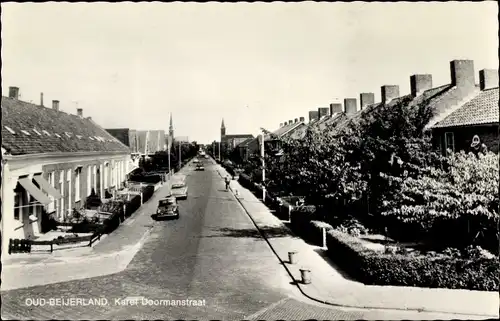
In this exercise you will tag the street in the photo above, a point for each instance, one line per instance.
(212, 253)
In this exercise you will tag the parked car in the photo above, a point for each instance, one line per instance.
(179, 187)
(200, 167)
(167, 208)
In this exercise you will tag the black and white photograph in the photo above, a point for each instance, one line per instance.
(250, 161)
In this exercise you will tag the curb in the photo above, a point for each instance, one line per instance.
(329, 302)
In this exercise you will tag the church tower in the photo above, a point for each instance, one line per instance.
(171, 128)
(222, 131)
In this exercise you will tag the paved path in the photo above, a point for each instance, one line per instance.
(331, 286)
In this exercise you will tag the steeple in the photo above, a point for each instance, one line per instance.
(222, 130)
(171, 127)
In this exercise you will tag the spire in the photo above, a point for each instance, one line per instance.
(222, 125)
(171, 128)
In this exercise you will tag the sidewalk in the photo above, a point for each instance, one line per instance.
(110, 255)
(330, 286)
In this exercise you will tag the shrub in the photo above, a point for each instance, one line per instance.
(300, 218)
(395, 269)
(315, 233)
(245, 180)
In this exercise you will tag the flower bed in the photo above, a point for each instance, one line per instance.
(395, 269)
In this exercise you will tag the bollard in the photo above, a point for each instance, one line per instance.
(292, 257)
(306, 276)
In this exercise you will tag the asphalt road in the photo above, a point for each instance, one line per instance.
(212, 253)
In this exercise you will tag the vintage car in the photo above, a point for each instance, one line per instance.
(200, 167)
(196, 161)
(179, 187)
(167, 208)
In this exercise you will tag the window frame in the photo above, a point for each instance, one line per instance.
(446, 135)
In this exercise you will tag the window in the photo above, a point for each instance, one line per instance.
(17, 204)
(106, 173)
(94, 173)
(78, 174)
(68, 181)
(89, 188)
(61, 201)
(449, 142)
(51, 207)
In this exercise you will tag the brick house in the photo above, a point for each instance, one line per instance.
(479, 116)
(462, 108)
(51, 161)
(229, 142)
(294, 129)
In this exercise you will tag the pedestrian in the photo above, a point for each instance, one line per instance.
(228, 180)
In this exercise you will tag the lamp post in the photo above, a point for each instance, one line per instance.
(262, 155)
(219, 153)
(180, 161)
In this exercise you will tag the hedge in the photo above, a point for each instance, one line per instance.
(301, 217)
(375, 268)
(315, 232)
(147, 192)
(151, 179)
(245, 181)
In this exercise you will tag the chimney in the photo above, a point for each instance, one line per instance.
(366, 99)
(296, 120)
(462, 73)
(322, 111)
(302, 119)
(335, 108)
(488, 78)
(285, 123)
(313, 115)
(41, 99)
(79, 112)
(351, 105)
(281, 125)
(89, 118)
(55, 105)
(290, 122)
(419, 84)
(389, 92)
(14, 92)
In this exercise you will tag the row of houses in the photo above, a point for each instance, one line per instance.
(52, 161)
(466, 111)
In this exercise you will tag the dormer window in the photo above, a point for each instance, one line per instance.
(36, 131)
(57, 135)
(46, 132)
(10, 130)
(25, 132)
(68, 134)
(79, 136)
(90, 137)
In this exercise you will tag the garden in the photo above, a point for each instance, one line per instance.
(388, 207)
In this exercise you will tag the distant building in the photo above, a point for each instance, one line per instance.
(231, 141)
(51, 162)
(141, 142)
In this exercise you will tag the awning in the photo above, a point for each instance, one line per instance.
(47, 187)
(34, 191)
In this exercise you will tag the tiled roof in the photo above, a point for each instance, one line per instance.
(141, 140)
(482, 109)
(283, 130)
(238, 136)
(122, 134)
(31, 129)
(245, 142)
(156, 141)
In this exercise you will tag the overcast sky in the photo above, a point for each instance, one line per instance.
(255, 65)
